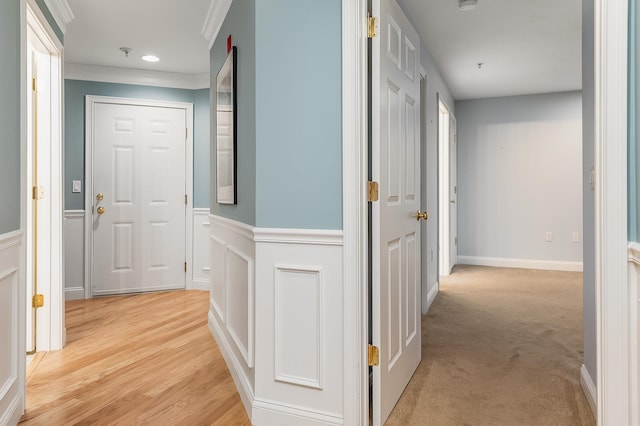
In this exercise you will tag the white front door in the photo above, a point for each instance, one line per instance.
(138, 198)
(396, 270)
(453, 192)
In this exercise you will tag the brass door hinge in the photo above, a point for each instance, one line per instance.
(373, 191)
(185, 266)
(34, 84)
(37, 193)
(37, 301)
(185, 199)
(373, 356)
(372, 26)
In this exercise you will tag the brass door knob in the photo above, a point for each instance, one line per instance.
(423, 215)
(100, 210)
(100, 197)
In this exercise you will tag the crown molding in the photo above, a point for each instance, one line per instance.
(61, 12)
(215, 17)
(134, 76)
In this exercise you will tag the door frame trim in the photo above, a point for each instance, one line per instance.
(355, 219)
(90, 103)
(52, 337)
(612, 287)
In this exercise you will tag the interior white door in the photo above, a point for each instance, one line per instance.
(453, 192)
(395, 153)
(139, 198)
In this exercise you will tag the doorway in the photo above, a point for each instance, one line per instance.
(447, 190)
(138, 178)
(42, 177)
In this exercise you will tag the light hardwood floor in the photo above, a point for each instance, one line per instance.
(139, 359)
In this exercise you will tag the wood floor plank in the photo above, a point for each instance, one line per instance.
(136, 359)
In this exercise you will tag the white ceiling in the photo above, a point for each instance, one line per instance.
(527, 46)
(169, 29)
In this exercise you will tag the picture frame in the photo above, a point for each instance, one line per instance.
(226, 134)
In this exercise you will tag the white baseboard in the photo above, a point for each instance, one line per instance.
(198, 284)
(242, 383)
(431, 296)
(589, 390)
(550, 265)
(271, 413)
(14, 411)
(74, 293)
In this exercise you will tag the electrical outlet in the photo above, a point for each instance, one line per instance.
(549, 236)
(76, 186)
(575, 237)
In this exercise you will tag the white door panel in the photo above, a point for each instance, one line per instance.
(396, 232)
(139, 168)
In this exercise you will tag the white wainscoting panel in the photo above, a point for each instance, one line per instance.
(277, 313)
(232, 309)
(201, 269)
(299, 327)
(12, 359)
(74, 263)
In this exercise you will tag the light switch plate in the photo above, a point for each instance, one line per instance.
(77, 186)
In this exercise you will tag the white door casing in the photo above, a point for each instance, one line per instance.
(396, 231)
(139, 242)
(453, 192)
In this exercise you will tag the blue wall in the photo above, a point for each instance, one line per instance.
(75, 92)
(289, 113)
(299, 114)
(10, 102)
(240, 23)
(49, 17)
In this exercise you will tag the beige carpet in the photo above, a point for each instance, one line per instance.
(500, 347)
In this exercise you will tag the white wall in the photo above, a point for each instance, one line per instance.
(519, 177)
(436, 87)
(588, 162)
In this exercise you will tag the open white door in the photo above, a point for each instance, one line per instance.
(138, 197)
(453, 192)
(395, 223)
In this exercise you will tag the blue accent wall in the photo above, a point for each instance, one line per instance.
(74, 152)
(289, 113)
(240, 23)
(50, 19)
(10, 102)
(299, 114)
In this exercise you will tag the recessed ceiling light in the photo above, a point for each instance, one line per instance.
(467, 4)
(150, 58)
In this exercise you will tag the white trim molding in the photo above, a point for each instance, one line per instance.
(589, 389)
(634, 332)
(61, 12)
(138, 77)
(612, 295)
(276, 307)
(354, 216)
(431, 296)
(549, 265)
(215, 18)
